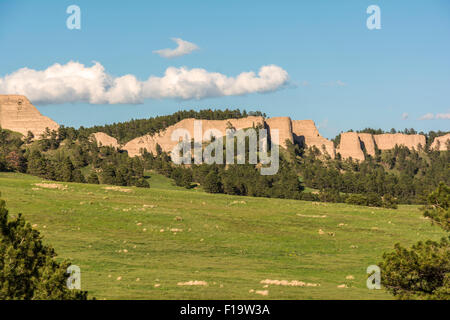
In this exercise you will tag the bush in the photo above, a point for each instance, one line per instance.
(330, 195)
(212, 183)
(357, 199)
(389, 202)
(374, 200)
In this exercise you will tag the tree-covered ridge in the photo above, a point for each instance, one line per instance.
(429, 136)
(126, 131)
(407, 175)
(392, 176)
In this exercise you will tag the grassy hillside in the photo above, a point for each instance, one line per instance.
(166, 235)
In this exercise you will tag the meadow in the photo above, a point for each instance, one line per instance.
(134, 243)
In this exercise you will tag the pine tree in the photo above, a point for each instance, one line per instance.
(66, 170)
(28, 270)
(212, 183)
(422, 272)
(108, 175)
(36, 164)
(93, 178)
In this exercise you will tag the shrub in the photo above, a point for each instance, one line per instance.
(357, 199)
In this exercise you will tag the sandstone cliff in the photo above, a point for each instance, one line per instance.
(367, 142)
(164, 138)
(105, 140)
(306, 135)
(440, 143)
(350, 146)
(284, 127)
(18, 114)
(388, 141)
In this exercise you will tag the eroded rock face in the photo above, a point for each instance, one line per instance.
(350, 146)
(19, 115)
(367, 141)
(388, 141)
(440, 143)
(284, 127)
(105, 140)
(306, 134)
(164, 138)
(352, 143)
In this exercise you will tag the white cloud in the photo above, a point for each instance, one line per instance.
(183, 48)
(443, 116)
(74, 82)
(431, 116)
(405, 115)
(427, 116)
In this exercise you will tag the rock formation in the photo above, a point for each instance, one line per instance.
(284, 127)
(388, 141)
(105, 140)
(367, 142)
(306, 135)
(350, 146)
(18, 114)
(164, 138)
(440, 143)
(353, 144)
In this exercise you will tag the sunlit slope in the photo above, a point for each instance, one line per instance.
(141, 243)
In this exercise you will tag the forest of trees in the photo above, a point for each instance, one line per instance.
(401, 174)
(390, 177)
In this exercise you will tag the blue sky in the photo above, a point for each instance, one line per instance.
(341, 74)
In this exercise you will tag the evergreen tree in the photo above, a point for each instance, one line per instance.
(422, 272)
(66, 170)
(212, 183)
(36, 164)
(93, 178)
(108, 175)
(28, 270)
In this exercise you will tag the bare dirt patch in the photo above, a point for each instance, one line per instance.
(193, 283)
(118, 189)
(293, 283)
(51, 186)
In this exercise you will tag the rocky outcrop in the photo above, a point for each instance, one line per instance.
(353, 144)
(164, 138)
(389, 141)
(350, 146)
(306, 134)
(440, 143)
(367, 143)
(284, 127)
(105, 140)
(18, 114)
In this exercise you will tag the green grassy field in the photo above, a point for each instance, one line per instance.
(152, 239)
